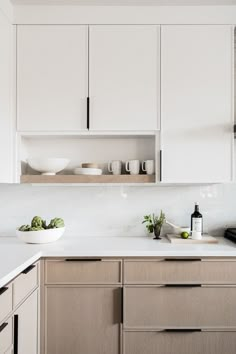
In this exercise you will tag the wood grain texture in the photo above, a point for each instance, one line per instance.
(83, 320)
(6, 302)
(88, 179)
(179, 343)
(24, 284)
(161, 307)
(6, 337)
(59, 271)
(161, 272)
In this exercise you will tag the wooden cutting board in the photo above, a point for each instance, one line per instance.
(178, 240)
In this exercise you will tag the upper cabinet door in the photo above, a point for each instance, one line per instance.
(197, 113)
(52, 77)
(124, 77)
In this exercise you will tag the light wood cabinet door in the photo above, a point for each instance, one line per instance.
(124, 77)
(168, 307)
(5, 301)
(26, 326)
(83, 320)
(52, 77)
(6, 336)
(179, 343)
(196, 103)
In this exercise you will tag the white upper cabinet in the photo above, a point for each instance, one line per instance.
(124, 77)
(52, 77)
(197, 103)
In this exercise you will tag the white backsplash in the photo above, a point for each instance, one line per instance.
(115, 211)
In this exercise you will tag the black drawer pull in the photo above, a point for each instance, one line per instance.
(4, 325)
(27, 270)
(182, 259)
(83, 259)
(16, 334)
(182, 330)
(3, 290)
(183, 285)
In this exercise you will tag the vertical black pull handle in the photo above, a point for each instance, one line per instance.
(16, 325)
(160, 165)
(88, 106)
(122, 305)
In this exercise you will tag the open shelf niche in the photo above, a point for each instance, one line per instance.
(82, 148)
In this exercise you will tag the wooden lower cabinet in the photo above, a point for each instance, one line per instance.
(179, 343)
(27, 329)
(82, 320)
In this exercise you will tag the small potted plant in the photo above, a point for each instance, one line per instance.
(154, 224)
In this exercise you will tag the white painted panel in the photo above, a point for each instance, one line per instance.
(124, 77)
(197, 117)
(6, 142)
(51, 77)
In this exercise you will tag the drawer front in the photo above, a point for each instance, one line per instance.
(179, 343)
(25, 283)
(173, 271)
(5, 301)
(84, 271)
(5, 336)
(161, 307)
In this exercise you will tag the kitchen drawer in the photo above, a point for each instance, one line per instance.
(25, 283)
(179, 343)
(161, 307)
(5, 336)
(84, 271)
(5, 301)
(161, 271)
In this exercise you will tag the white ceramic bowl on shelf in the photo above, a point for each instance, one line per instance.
(41, 236)
(87, 171)
(48, 166)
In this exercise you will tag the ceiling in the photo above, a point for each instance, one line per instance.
(126, 2)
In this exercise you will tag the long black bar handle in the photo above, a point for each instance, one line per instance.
(182, 259)
(160, 165)
(83, 259)
(122, 305)
(27, 270)
(88, 113)
(3, 290)
(16, 324)
(4, 325)
(182, 285)
(182, 330)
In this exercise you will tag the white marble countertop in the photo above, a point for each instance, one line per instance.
(15, 256)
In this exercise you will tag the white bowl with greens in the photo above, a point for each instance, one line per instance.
(40, 232)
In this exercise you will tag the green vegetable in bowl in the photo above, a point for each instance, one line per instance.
(36, 228)
(24, 228)
(37, 222)
(56, 223)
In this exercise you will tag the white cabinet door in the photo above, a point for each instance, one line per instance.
(196, 103)
(26, 325)
(124, 77)
(52, 77)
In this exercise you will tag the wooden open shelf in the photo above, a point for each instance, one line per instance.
(88, 179)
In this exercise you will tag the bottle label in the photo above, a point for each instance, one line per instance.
(197, 224)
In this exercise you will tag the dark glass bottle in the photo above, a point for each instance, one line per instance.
(196, 220)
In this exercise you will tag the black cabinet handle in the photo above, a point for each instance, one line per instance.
(3, 290)
(182, 285)
(182, 259)
(4, 325)
(88, 107)
(182, 330)
(160, 165)
(16, 320)
(27, 270)
(122, 306)
(83, 259)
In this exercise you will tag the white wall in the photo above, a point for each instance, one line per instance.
(6, 79)
(115, 211)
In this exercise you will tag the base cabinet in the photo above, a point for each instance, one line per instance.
(26, 326)
(83, 320)
(179, 342)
